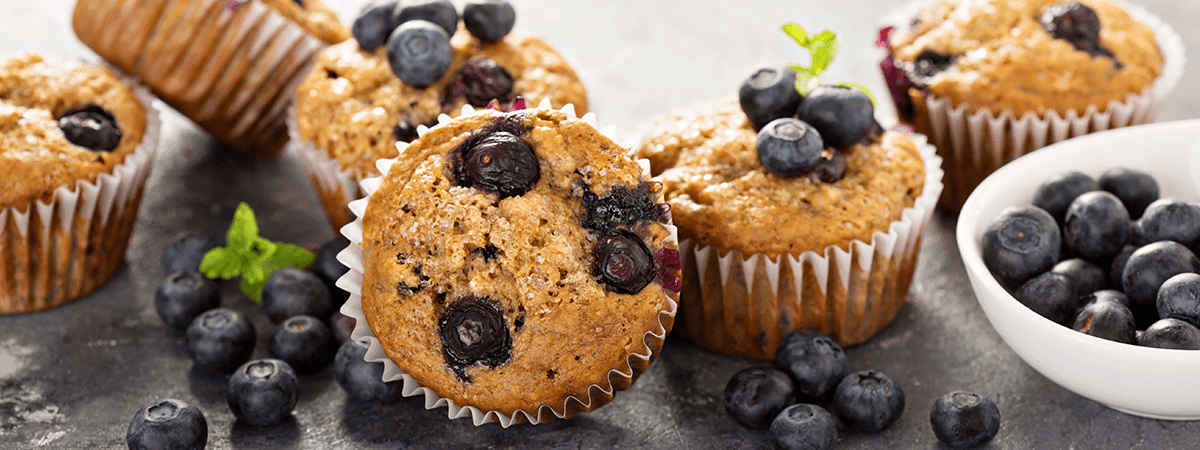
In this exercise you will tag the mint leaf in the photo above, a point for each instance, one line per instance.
(294, 256)
(823, 48)
(253, 288)
(252, 257)
(243, 231)
(797, 33)
(221, 263)
(805, 78)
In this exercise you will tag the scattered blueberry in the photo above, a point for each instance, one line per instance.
(1135, 188)
(440, 12)
(474, 331)
(1021, 243)
(815, 363)
(1148, 267)
(329, 269)
(963, 419)
(843, 116)
(1096, 225)
(1056, 193)
(1051, 295)
(754, 396)
(91, 127)
(375, 23)
(489, 20)
(262, 392)
(804, 427)
(186, 252)
(868, 401)
(219, 340)
(1179, 298)
(1084, 275)
(623, 263)
(167, 424)
(480, 80)
(1169, 219)
(183, 295)
(769, 94)
(291, 292)
(1117, 267)
(1107, 320)
(1171, 333)
(788, 147)
(500, 163)
(363, 380)
(304, 342)
(419, 52)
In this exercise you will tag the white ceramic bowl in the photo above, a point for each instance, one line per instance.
(1148, 382)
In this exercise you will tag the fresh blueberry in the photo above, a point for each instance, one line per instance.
(1051, 295)
(768, 94)
(167, 424)
(1105, 295)
(329, 269)
(1022, 242)
(304, 342)
(341, 325)
(804, 427)
(1056, 193)
(963, 419)
(440, 12)
(375, 23)
(481, 80)
(755, 395)
(1085, 276)
(1179, 298)
(1135, 188)
(1117, 268)
(1147, 269)
(91, 127)
(186, 252)
(623, 263)
(500, 163)
(292, 292)
(183, 295)
(219, 340)
(1108, 320)
(1171, 333)
(474, 331)
(788, 147)
(419, 52)
(361, 379)
(868, 401)
(815, 363)
(263, 392)
(1169, 219)
(489, 20)
(1096, 225)
(843, 116)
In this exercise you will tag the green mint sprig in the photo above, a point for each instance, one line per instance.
(250, 256)
(822, 48)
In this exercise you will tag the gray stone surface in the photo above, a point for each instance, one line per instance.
(73, 377)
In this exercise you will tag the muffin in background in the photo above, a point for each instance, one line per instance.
(991, 80)
(230, 66)
(76, 147)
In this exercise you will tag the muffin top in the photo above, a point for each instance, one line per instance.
(512, 260)
(353, 106)
(721, 195)
(1028, 55)
(50, 114)
(314, 17)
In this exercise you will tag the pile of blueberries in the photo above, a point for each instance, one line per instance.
(1107, 257)
(804, 135)
(811, 370)
(219, 340)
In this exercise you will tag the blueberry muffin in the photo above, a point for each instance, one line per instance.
(355, 105)
(791, 221)
(1030, 72)
(76, 145)
(230, 66)
(517, 264)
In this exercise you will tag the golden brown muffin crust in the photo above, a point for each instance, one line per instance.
(352, 115)
(35, 156)
(313, 16)
(423, 233)
(1006, 60)
(720, 194)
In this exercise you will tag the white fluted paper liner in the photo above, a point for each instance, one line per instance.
(743, 305)
(62, 249)
(975, 144)
(232, 67)
(595, 396)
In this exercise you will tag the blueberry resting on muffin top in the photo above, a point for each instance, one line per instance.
(481, 80)
(474, 331)
(1078, 24)
(91, 127)
(623, 262)
(496, 160)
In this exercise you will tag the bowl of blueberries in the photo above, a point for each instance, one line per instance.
(1083, 257)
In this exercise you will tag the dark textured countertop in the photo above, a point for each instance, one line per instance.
(74, 376)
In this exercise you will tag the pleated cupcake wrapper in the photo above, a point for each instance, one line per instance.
(975, 144)
(59, 250)
(594, 397)
(744, 304)
(335, 186)
(232, 67)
